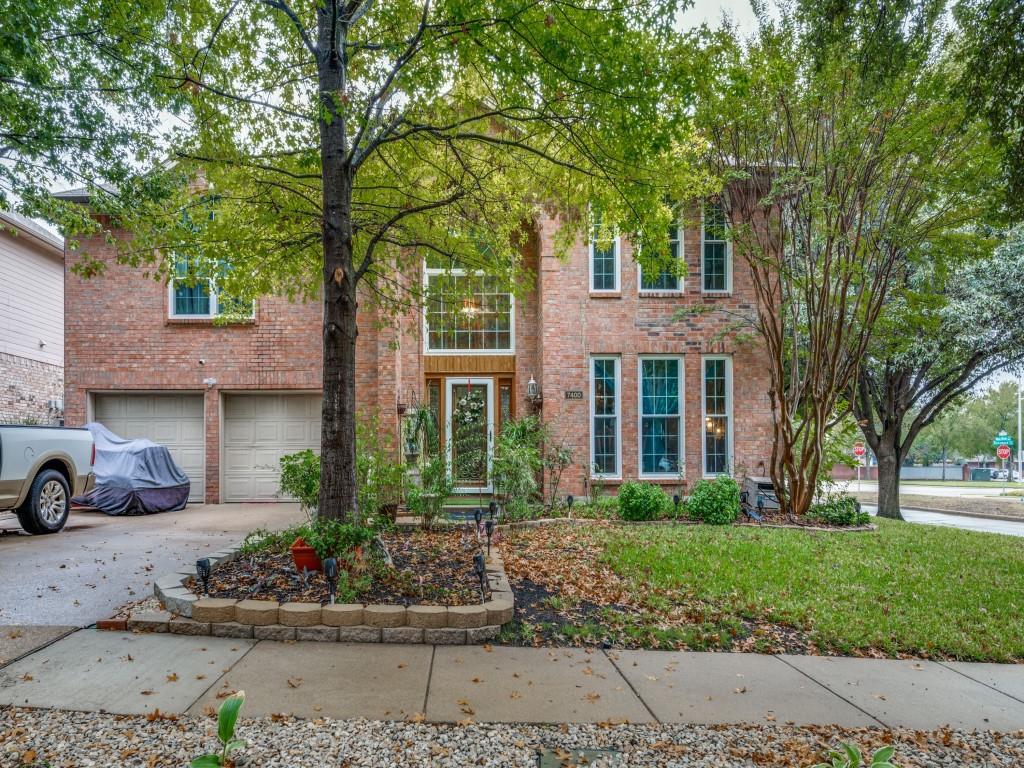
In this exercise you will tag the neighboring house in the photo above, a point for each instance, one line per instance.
(31, 323)
(633, 389)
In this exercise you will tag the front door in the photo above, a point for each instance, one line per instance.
(469, 431)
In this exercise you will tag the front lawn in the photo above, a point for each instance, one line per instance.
(909, 589)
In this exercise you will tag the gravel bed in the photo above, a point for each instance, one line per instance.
(87, 740)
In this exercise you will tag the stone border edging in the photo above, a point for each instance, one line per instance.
(189, 614)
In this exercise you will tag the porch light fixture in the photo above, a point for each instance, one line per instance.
(331, 575)
(203, 572)
(533, 392)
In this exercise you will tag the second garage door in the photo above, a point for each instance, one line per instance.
(172, 420)
(258, 431)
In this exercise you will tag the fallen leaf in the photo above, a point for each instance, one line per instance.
(294, 682)
(416, 717)
(172, 678)
(147, 692)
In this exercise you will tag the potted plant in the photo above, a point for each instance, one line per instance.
(305, 556)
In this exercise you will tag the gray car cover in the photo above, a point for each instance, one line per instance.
(133, 477)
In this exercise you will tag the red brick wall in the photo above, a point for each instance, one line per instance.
(118, 337)
(577, 324)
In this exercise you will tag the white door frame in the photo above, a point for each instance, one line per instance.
(488, 384)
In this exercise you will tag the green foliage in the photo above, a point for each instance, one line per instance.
(850, 756)
(380, 478)
(518, 460)
(839, 510)
(642, 501)
(427, 499)
(227, 717)
(277, 542)
(300, 478)
(714, 501)
(334, 538)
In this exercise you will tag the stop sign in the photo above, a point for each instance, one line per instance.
(1003, 452)
(858, 449)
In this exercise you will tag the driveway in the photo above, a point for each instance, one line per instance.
(80, 575)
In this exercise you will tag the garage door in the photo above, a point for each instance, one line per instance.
(258, 431)
(172, 420)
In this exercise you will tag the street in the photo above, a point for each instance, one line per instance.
(80, 575)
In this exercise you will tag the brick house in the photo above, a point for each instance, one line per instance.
(634, 391)
(31, 322)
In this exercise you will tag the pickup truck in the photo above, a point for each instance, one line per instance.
(41, 468)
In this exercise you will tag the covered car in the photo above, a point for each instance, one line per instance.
(133, 477)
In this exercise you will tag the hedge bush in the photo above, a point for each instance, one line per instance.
(839, 510)
(714, 501)
(642, 501)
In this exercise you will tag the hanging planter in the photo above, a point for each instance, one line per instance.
(304, 556)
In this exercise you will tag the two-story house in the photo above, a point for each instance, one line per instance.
(31, 322)
(594, 346)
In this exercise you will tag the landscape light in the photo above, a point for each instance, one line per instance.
(675, 503)
(492, 507)
(489, 525)
(481, 572)
(203, 572)
(331, 575)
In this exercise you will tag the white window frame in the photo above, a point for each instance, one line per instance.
(731, 427)
(618, 265)
(214, 304)
(728, 257)
(640, 415)
(429, 272)
(618, 419)
(680, 285)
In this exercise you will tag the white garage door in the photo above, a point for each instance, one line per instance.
(172, 420)
(258, 431)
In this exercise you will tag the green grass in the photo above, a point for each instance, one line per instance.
(917, 589)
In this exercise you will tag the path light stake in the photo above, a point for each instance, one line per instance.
(490, 530)
(331, 574)
(675, 503)
(481, 572)
(203, 572)
(478, 515)
(568, 503)
(305, 576)
(492, 507)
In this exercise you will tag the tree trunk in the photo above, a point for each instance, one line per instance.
(888, 481)
(338, 416)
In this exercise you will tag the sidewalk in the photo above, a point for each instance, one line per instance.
(124, 673)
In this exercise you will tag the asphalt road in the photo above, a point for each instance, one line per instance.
(97, 562)
(909, 488)
(984, 525)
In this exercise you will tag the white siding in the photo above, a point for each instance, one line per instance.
(31, 299)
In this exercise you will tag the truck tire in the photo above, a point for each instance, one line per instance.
(47, 505)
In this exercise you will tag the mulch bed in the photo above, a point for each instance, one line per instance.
(566, 596)
(429, 569)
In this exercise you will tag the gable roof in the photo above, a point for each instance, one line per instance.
(34, 231)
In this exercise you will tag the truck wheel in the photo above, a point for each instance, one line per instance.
(47, 505)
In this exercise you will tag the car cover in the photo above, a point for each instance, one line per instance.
(133, 477)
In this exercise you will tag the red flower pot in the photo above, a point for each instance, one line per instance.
(304, 556)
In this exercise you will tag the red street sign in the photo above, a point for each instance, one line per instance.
(858, 449)
(1003, 452)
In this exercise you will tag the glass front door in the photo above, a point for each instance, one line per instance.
(469, 430)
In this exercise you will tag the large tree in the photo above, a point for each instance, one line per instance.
(833, 133)
(77, 102)
(329, 147)
(949, 327)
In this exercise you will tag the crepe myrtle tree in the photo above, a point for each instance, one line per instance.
(326, 149)
(946, 332)
(837, 167)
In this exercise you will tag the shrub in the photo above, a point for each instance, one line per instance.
(427, 499)
(714, 501)
(333, 538)
(642, 501)
(277, 542)
(300, 478)
(517, 461)
(839, 510)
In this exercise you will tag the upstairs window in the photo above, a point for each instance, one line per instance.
(194, 294)
(667, 278)
(604, 262)
(467, 312)
(716, 269)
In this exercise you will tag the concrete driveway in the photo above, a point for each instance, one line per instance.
(80, 575)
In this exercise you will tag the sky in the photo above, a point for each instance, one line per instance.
(710, 12)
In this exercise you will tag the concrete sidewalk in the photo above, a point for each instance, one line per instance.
(132, 674)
